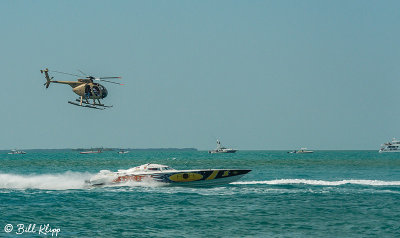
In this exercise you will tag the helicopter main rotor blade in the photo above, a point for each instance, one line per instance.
(65, 73)
(110, 78)
(99, 79)
(80, 71)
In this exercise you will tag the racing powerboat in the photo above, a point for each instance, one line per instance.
(165, 175)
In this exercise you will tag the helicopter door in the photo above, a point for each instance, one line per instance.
(88, 92)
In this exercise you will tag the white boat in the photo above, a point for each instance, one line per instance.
(393, 146)
(91, 152)
(301, 151)
(165, 175)
(221, 149)
(123, 152)
(17, 152)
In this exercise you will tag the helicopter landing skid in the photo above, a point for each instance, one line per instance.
(94, 106)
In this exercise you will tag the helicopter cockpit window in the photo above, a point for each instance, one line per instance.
(103, 91)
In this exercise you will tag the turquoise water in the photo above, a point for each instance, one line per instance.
(325, 194)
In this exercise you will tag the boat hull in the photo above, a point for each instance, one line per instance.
(17, 153)
(191, 178)
(90, 152)
(389, 151)
(221, 152)
(208, 183)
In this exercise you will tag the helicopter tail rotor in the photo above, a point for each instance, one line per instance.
(48, 79)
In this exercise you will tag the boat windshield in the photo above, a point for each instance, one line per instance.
(153, 168)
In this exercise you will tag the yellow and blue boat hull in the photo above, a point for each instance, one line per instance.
(201, 177)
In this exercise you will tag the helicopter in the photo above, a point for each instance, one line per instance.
(85, 88)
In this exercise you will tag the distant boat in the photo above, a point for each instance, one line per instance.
(92, 152)
(301, 151)
(17, 152)
(221, 149)
(393, 146)
(123, 152)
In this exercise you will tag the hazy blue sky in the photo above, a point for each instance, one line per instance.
(255, 74)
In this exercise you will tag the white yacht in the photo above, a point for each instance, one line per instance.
(301, 151)
(123, 151)
(221, 149)
(91, 152)
(17, 152)
(393, 146)
(168, 176)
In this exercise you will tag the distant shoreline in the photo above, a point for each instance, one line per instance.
(167, 149)
(110, 149)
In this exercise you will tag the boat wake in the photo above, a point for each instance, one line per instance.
(62, 181)
(322, 182)
(76, 180)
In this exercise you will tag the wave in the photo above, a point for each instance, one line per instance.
(76, 180)
(63, 181)
(322, 182)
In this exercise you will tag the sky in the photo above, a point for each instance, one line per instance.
(258, 75)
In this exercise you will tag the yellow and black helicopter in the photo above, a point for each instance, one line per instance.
(86, 88)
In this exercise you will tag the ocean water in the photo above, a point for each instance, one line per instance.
(325, 194)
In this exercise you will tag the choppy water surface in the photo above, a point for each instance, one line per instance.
(325, 194)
